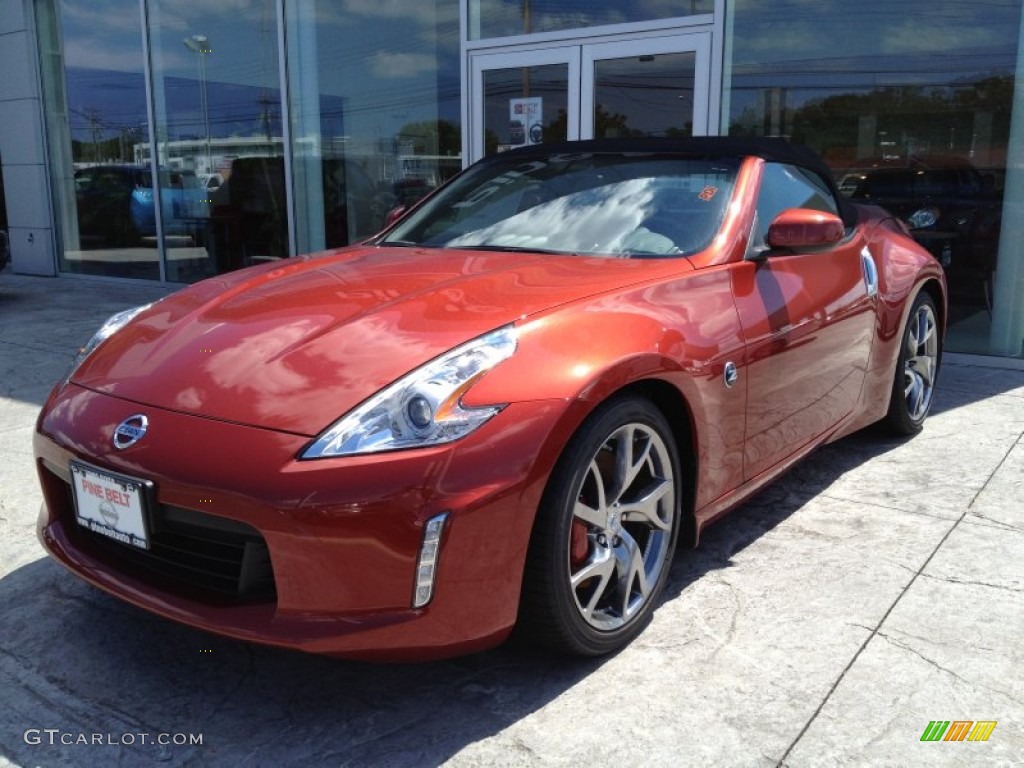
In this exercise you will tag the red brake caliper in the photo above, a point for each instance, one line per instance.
(579, 544)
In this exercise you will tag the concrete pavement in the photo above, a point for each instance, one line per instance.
(877, 588)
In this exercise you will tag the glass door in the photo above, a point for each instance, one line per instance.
(524, 97)
(652, 86)
(648, 87)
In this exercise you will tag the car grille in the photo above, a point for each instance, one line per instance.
(205, 554)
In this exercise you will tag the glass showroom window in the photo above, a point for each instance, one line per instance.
(375, 102)
(95, 101)
(219, 142)
(501, 18)
(912, 111)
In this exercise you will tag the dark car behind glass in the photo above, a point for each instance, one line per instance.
(951, 208)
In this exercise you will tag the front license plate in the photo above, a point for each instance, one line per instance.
(110, 504)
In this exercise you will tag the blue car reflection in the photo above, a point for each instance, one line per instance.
(116, 205)
(183, 201)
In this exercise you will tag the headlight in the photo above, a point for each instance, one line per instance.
(422, 408)
(923, 218)
(113, 324)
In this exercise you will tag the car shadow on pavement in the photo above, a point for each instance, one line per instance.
(723, 539)
(81, 661)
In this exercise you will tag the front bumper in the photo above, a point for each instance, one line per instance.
(328, 547)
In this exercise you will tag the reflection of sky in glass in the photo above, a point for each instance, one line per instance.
(823, 43)
(232, 44)
(497, 18)
(387, 59)
(396, 61)
(876, 78)
(613, 218)
(102, 49)
(594, 219)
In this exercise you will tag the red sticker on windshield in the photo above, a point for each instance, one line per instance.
(707, 193)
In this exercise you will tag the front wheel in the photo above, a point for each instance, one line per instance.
(916, 369)
(605, 532)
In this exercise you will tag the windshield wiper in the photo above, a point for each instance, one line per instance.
(510, 249)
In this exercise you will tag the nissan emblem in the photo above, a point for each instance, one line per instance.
(130, 431)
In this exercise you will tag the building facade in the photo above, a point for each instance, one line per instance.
(173, 140)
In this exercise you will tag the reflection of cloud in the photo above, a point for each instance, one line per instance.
(594, 220)
(254, 364)
(436, 23)
(190, 15)
(114, 44)
(395, 65)
(798, 31)
(221, 7)
(86, 54)
(792, 42)
(105, 35)
(422, 12)
(354, 33)
(505, 17)
(923, 35)
(116, 21)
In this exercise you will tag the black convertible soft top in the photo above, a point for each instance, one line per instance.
(773, 149)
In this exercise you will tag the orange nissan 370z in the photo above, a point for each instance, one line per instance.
(503, 411)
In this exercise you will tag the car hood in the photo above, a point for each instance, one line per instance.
(294, 345)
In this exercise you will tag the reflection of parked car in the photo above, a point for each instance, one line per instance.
(354, 205)
(250, 209)
(183, 200)
(250, 213)
(116, 207)
(103, 194)
(948, 206)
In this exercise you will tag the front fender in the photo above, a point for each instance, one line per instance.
(681, 333)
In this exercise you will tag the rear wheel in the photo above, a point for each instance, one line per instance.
(605, 533)
(916, 369)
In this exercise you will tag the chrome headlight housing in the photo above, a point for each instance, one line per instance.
(112, 325)
(424, 407)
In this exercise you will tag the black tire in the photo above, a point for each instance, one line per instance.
(917, 368)
(592, 529)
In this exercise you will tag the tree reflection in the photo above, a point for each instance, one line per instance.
(971, 121)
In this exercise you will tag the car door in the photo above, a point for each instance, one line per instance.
(807, 320)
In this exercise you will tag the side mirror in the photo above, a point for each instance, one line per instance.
(801, 229)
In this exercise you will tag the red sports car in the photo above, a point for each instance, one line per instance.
(502, 412)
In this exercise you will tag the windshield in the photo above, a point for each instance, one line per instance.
(594, 204)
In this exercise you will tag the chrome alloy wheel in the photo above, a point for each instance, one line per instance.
(622, 526)
(921, 361)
